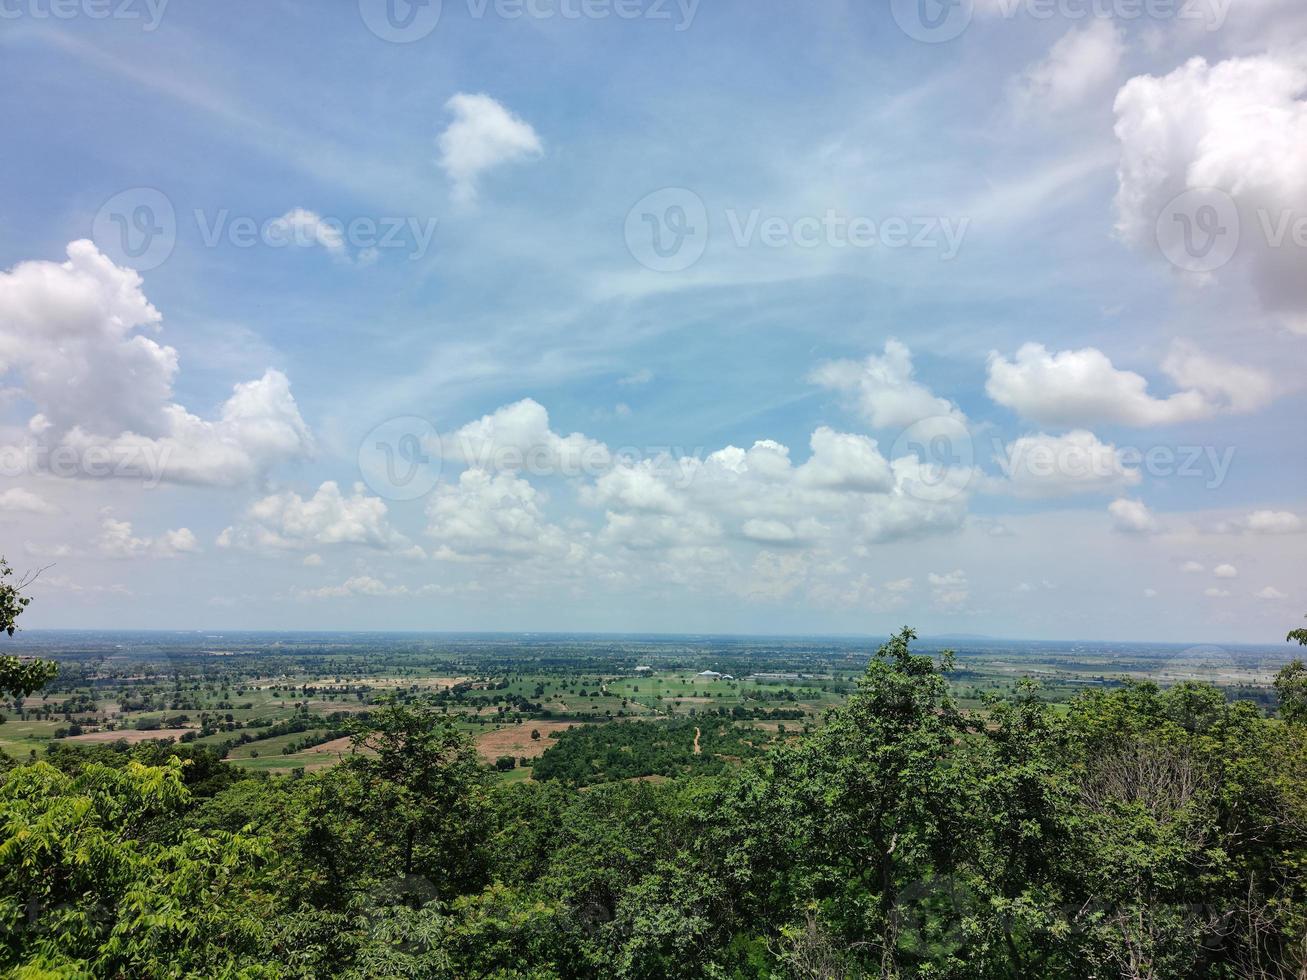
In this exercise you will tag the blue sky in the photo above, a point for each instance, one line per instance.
(933, 347)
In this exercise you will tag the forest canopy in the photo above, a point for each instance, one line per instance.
(1144, 832)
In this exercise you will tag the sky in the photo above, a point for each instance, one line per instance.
(982, 316)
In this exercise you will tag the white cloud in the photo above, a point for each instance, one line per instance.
(313, 560)
(117, 540)
(1082, 61)
(493, 516)
(305, 229)
(1240, 126)
(884, 390)
(1052, 466)
(359, 585)
(288, 522)
(1132, 517)
(517, 437)
(949, 589)
(483, 135)
(102, 391)
(1215, 593)
(1272, 522)
(1233, 387)
(1150, 593)
(854, 593)
(1269, 592)
(841, 461)
(1082, 387)
(1225, 571)
(16, 500)
(642, 376)
(1193, 566)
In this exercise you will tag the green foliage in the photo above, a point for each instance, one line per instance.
(18, 678)
(1143, 832)
(589, 754)
(83, 891)
(1291, 690)
(12, 600)
(1299, 634)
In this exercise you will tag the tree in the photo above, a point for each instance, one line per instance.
(1291, 690)
(1299, 634)
(96, 879)
(1291, 683)
(18, 677)
(873, 802)
(400, 821)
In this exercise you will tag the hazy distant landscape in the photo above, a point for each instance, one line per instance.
(281, 701)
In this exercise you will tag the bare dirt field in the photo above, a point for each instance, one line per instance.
(516, 740)
(130, 735)
(337, 746)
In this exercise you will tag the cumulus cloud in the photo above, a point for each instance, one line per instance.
(1056, 466)
(288, 522)
(1083, 387)
(1269, 592)
(306, 229)
(884, 390)
(1233, 387)
(358, 585)
(369, 586)
(117, 540)
(517, 437)
(1239, 126)
(1132, 517)
(16, 500)
(1081, 62)
(482, 135)
(949, 589)
(1272, 522)
(841, 461)
(489, 516)
(846, 486)
(1225, 571)
(102, 390)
